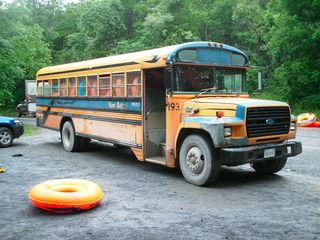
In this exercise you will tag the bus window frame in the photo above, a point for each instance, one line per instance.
(181, 61)
(41, 81)
(87, 85)
(52, 81)
(49, 81)
(110, 89)
(65, 87)
(140, 84)
(75, 78)
(77, 85)
(124, 84)
(234, 68)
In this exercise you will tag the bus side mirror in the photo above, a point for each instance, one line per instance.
(259, 80)
(168, 78)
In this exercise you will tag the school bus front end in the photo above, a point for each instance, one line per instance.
(245, 130)
(212, 121)
(214, 131)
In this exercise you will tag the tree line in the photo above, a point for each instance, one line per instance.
(281, 36)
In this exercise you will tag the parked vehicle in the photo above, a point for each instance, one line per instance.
(10, 128)
(28, 106)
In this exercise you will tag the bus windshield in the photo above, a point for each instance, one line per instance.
(203, 78)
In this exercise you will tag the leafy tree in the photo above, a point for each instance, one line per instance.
(294, 41)
(22, 52)
(102, 21)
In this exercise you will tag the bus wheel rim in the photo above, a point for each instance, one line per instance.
(195, 160)
(66, 137)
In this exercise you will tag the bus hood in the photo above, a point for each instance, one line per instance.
(229, 105)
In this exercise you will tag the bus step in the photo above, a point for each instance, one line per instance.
(158, 160)
(163, 148)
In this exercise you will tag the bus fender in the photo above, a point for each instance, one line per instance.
(214, 130)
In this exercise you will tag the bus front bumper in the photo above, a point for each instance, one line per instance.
(263, 152)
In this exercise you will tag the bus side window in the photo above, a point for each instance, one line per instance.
(55, 90)
(118, 85)
(104, 85)
(63, 87)
(40, 86)
(72, 87)
(81, 86)
(92, 86)
(46, 88)
(134, 84)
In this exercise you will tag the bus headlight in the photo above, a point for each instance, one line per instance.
(227, 131)
(293, 126)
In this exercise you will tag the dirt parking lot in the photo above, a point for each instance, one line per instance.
(145, 201)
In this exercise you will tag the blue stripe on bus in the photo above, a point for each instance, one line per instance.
(101, 104)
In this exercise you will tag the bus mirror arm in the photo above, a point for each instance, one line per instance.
(259, 80)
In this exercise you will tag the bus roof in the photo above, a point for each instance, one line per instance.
(149, 58)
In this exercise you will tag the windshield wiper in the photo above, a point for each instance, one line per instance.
(206, 90)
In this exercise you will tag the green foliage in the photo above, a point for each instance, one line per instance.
(102, 22)
(282, 37)
(22, 54)
(8, 111)
(293, 40)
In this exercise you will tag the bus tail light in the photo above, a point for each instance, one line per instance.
(215, 44)
(221, 45)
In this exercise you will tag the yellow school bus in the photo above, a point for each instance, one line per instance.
(184, 105)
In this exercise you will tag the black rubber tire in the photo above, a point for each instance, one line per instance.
(83, 143)
(211, 164)
(70, 141)
(19, 113)
(6, 137)
(270, 166)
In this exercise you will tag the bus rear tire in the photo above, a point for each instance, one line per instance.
(270, 166)
(70, 141)
(199, 161)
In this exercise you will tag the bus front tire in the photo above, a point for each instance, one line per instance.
(270, 166)
(70, 141)
(199, 161)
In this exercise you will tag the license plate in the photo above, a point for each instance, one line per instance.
(268, 153)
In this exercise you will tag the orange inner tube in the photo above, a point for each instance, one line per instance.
(66, 195)
(306, 119)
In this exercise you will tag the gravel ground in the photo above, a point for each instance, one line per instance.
(146, 201)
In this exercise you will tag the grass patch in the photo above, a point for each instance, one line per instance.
(8, 111)
(30, 130)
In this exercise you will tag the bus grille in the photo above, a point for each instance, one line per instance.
(267, 121)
